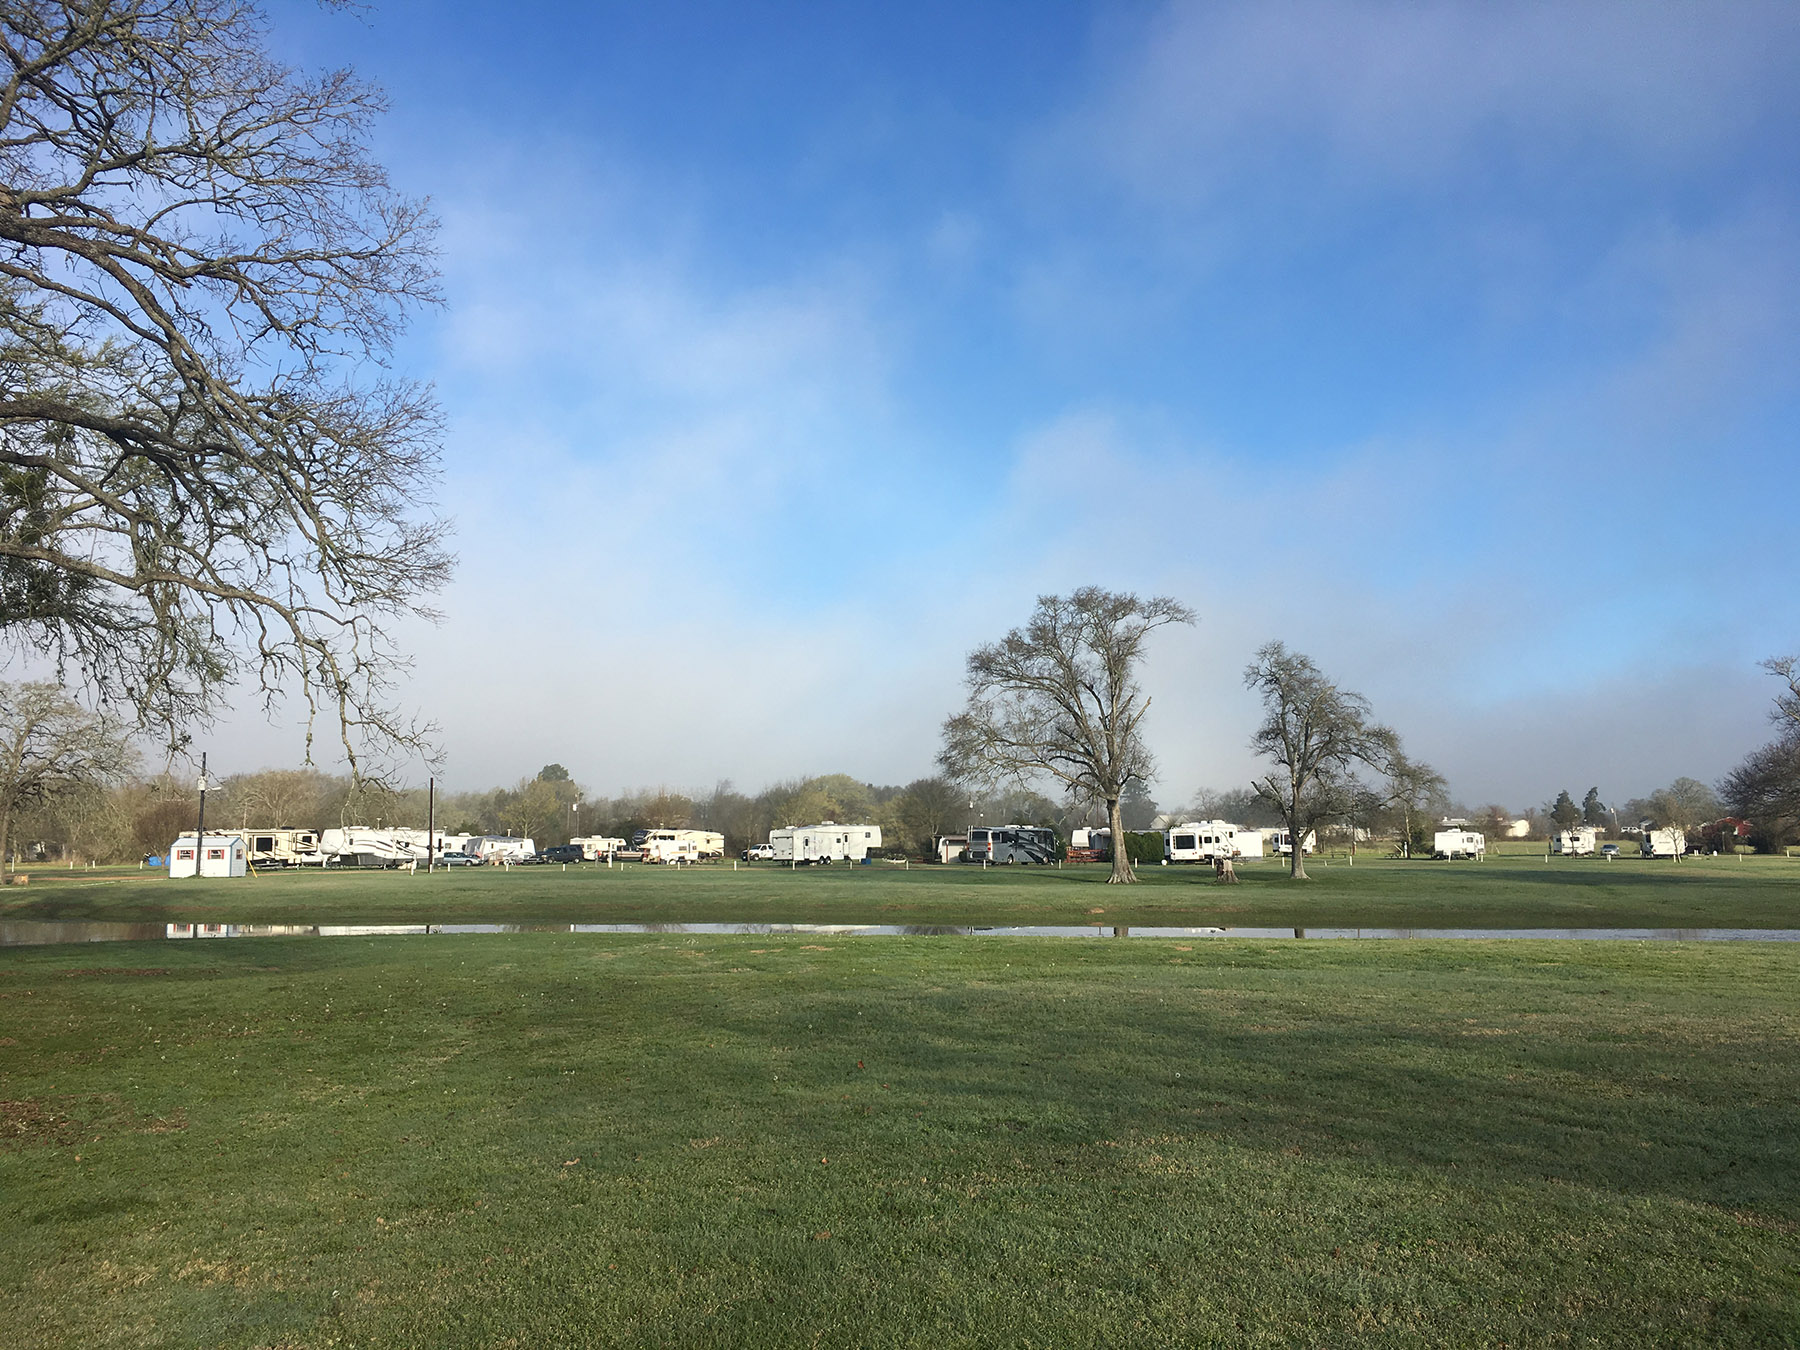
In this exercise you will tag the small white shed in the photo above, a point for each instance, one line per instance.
(221, 855)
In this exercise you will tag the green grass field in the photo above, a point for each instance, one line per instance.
(1515, 891)
(541, 1140)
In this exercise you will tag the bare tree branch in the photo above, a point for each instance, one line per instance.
(199, 267)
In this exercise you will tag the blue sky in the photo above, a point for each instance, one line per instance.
(792, 350)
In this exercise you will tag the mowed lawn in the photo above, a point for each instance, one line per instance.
(542, 1140)
(1504, 892)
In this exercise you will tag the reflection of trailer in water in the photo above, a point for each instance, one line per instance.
(826, 842)
(1022, 844)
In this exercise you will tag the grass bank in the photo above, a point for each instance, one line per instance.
(615, 1140)
(1500, 893)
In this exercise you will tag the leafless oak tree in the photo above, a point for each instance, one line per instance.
(1315, 736)
(1059, 699)
(49, 744)
(205, 473)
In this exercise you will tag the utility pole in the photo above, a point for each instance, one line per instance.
(200, 829)
(431, 824)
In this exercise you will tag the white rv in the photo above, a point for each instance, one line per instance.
(494, 848)
(1576, 843)
(1667, 843)
(707, 843)
(596, 847)
(1249, 843)
(1458, 844)
(363, 846)
(214, 855)
(280, 848)
(1202, 841)
(670, 846)
(826, 842)
(1282, 841)
(952, 848)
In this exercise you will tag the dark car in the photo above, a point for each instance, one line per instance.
(561, 853)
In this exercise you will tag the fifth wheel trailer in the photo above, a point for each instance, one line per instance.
(826, 842)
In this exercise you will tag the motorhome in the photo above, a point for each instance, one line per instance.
(1458, 844)
(1665, 843)
(1202, 841)
(1576, 843)
(213, 855)
(1022, 844)
(670, 846)
(596, 847)
(1282, 841)
(826, 842)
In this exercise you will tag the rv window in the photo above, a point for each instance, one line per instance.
(264, 843)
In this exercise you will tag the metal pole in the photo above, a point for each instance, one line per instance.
(430, 825)
(200, 829)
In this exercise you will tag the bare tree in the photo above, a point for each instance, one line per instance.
(50, 744)
(204, 474)
(1411, 789)
(1315, 736)
(1786, 712)
(1059, 699)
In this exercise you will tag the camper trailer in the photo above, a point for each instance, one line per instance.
(707, 843)
(1249, 843)
(1577, 843)
(495, 848)
(951, 848)
(280, 848)
(1458, 844)
(1282, 842)
(598, 847)
(670, 846)
(363, 846)
(1089, 845)
(1022, 844)
(1203, 841)
(824, 843)
(214, 855)
(1666, 843)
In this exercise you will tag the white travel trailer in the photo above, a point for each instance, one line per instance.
(216, 855)
(1282, 841)
(826, 842)
(280, 848)
(596, 847)
(1249, 843)
(952, 848)
(494, 848)
(707, 843)
(363, 846)
(1576, 843)
(1202, 841)
(670, 846)
(1667, 843)
(1458, 844)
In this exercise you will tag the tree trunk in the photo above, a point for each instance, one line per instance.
(1122, 875)
(5, 830)
(1296, 847)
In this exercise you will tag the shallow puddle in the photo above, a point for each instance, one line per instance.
(29, 933)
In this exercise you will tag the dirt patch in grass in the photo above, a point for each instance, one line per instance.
(64, 1121)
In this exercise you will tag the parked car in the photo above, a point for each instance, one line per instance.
(1609, 850)
(560, 853)
(760, 853)
(457, 858)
